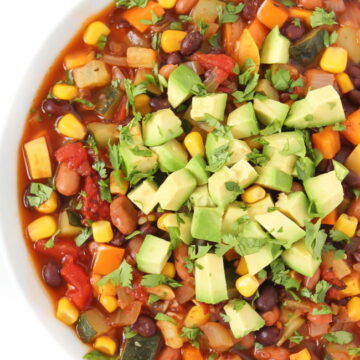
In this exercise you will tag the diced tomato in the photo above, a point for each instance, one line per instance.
(220, 61)
(319, 319)
(138, 291)
(221, 75)
(329, 275)
(60, 249)
(76, 157)
(80, 292)
(120, 113)
(93, 208)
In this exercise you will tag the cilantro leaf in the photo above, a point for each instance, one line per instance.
(233, 186)
(100, 167)
(128, 333)
(154, 19)
(175, 239)
(153, 299)
(97, 355)
(280, 275)
(141, 151)
(131, 92)
(354, 351)
(218, 158)
(163, 317)
(356, 193)
(314, 238)
(281, 79)
(133, 234)
(202, 26)
(296, 22)
(318, 296)
(151, 280)
(39, 193)
(257, 157)
(321, 17)
(330, 39)
(325, 310)
(102, 42)
(337, 236)
(51, 242)
(121, 276)
(192, 335)
(339, 337)
(229, 13)
(131, 3)
(296, 338)
(104, 187)
(83, 236)
(214, 41)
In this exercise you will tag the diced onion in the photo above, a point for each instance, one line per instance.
(127, 316)
(115, 60)
(210, 81)
(218, 335)
(319, 78)
(195, 66)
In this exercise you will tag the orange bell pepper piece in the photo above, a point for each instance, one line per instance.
(330, 219)
(327, 142)
(272, 13)
(258, 32)
(352, 131)
(191, 353)
(108, 258)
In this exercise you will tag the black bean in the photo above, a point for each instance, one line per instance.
(158, 103)
(145, 326)
(356, 83)
(352, 180)
(356, 256)
(292, 31)
(51, 274)
(284, 97)
(149, 229)
(174, 59)
(353, 70)
(343, 154)
(268, 298)
(57, 107)
(354, 97)
(268, 335)
(118, 240)
(191, 42)
(250, 9)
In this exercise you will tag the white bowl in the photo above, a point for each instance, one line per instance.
(13, 245)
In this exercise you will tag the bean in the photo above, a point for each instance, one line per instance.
(118, 240)
(293, 32)
(353, 71)
(356, 83)
(145, 326)
(296, 186)
(250, 9)
(184, 6)
(123, 215)
(134, 245)
(268, 298)
(191, 42)
(57, 107)
(67, 181)
(174, 59)
(166, 70)
(268, 335)
(343, 154)
(170, 354)
(271, 316)
(352, 180)
(354, 209)
(272, 353)
(354, 97)
(284, 97)
(158, 103)
(51, 274)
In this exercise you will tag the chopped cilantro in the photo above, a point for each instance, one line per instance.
(192, 335)
(51, 242)
(324, 310)
(330, 39)
(102, 42)
(131, 3)
(229, 13)
(104, 186)
(100, 167)
(339, 337)
(321, 17)
(257, 157)
(128, 333)
(163, 317)
(318, 296)
(121, 276)
(83, 236)
(39, 193)
(133, 234)
(151, 280)
(337, 235)
(154, 19)
(153, 299)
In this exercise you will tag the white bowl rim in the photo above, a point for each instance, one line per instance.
(13, 249)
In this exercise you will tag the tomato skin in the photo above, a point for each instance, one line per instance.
(60, 249)
(222, 62)
(120, 113)
(138, 291)
(319, 319)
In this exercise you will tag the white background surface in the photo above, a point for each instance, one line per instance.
(23, 28)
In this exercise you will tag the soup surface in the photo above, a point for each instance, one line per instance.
(189, 181)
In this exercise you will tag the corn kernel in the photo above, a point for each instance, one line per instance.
(253, 194)
(160, 222)
(194, 144)
(171, 40)
(169, 270)
(196, 316)
(301, 355)
(106, 345)
(142, 104)
(353, 309)
(242, 268)
(352, 285)
(109, 303)
(167, 4)
(151, 217)
(67, 311)
(94, 31)
(71, 127)
(78, 59)
(346, 224)
(49, 206)
(247, 285)
(102, 231)
(116, 188)
(42, 228)
(344, 82)
(108, 289)
(64, 91)
(334, 60)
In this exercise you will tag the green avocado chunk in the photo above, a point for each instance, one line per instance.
(144, 196)
(242, 121)
(285, 163)
(197, 167)
(270, 111)
(233, 213)
(201, 197)
(287, 143)
(275, 49)
(245, 173)
(181, 221)
(295, 206)
(272, 178)
(212, 104)
(261, 206)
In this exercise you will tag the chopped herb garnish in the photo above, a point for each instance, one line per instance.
(257, 157)
(105, 194)
(229, 13)
(337, 235)
(321, 17)
(121, 276)
(133, 234)
(131, 3)
(84, 102)
(330, 39)
(51, 242)
(318, 296)
(296, 338)
(163, 317)
(39, 193)
(296, 22)
(100, 167)
(202, 26)
(131, 92)
(192, 335)
(324, 310)
(339, 337)
(154, 19)
(151, 280)
(83, 236)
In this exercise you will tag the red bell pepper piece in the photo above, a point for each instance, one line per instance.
(120, 114)
(76, 157)
(220, 61)
(80, 292)
(60, 249)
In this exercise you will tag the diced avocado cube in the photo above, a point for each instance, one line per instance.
(163, 126)
(261, 259)
(238, 150)
(243, 318)
(340, 170)
(325, 192)
(230, 221)
(220, 186)
(210, 281)
(275, 49)
(144, 196)
(197, 167)
(281, 227)
(245, 173)
(285, 163)
(304, 167)
(270, 111)
(295, 206)
(300, 259)
(212, 104)
(153, 254)
(201, 197)
(176, 189)
(274, 179)
(261, 206)
(242, 121)
(172, 156)
(288, 143)
(139, 161)
(252, 229)
(181, 221)
(300, 115)
(215, 145)
(206, 223)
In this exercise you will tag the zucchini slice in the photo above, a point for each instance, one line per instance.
(141, 348)
(91, 324)
(107, 101)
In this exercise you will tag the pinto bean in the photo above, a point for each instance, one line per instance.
(67, 181)
(184, 6)
(123, 215)
(272, 353)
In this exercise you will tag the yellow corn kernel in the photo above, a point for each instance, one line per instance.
(167, 4)
(301, 355)
(346, 224)
(42, 228)
(49, 206)
(352, 283)
(334, 60)
(109, 303)
(242, 268)
(115, 188)
(253, 194)
(108, 289)
(67, 311)
(106, 345)
(142, 104)
(169, 270)
(78, 59)
(247, 285)
(151, 217)
(171, 40)
(64, 91)
(102, 231)
(194, 144)
(344, 82)
(94, 31)
(160, 222)
(71, 127)
(196, 316)
(353, 309)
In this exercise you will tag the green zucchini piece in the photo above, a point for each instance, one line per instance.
(305, 50)
(141, 348)
(91, 323)
(107, 101)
